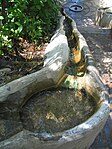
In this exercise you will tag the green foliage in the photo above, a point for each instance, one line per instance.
(26, 18)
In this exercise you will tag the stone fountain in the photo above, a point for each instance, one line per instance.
(14, 95)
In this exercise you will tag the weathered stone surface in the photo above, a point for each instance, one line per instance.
(5, 70)
(14, 94)
(17, 92)
(57, 51)
(104, 17)
(9, 128)
(80, 136)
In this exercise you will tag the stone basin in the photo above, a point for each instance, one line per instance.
(14, 95)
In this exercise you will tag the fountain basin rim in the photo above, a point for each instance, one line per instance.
(78, 131)
(72, 134)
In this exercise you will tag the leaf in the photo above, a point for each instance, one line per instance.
(16, 31)
(12, 30)
(1, 17)
(17, 23)
(12, 20)
(1, 52)
(9, 45)
(5, 38)
(20, 28)
(10, 15)
(38, 7)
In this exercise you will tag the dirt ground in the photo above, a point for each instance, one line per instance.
(26, 58)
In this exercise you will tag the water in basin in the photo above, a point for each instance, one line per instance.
(57, 110)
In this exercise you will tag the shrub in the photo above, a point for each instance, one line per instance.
(31, 19)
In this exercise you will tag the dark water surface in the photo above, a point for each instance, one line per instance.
(57, 110)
